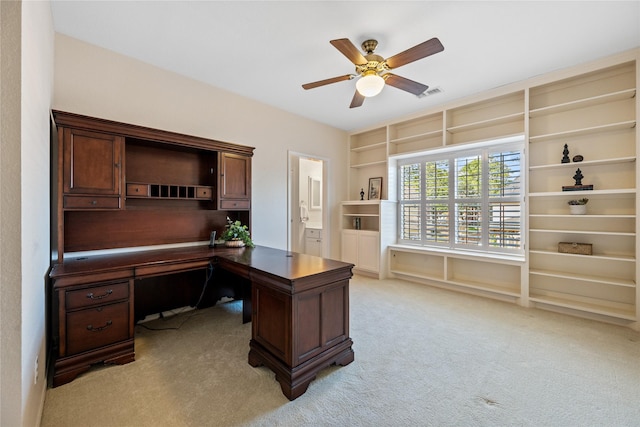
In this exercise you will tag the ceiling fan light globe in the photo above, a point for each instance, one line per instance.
(370, 85)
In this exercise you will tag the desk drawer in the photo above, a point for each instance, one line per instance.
(96, 327)
(234, 204)
(204, 192)
(140, 190)
(88, 297)
(91, 202)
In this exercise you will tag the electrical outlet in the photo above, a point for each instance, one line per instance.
(35, 371)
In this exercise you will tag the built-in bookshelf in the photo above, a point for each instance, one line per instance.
(593, 109)
(593, 115)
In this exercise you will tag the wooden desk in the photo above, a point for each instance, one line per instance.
(300, 309)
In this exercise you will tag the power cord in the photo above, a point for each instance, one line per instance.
(192, 312)
(206, 282)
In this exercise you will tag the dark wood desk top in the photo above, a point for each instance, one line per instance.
(287, 267)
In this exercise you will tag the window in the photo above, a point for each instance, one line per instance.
(469, 198)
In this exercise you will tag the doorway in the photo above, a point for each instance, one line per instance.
(307, 223)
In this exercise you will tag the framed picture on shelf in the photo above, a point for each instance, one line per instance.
(375, 188)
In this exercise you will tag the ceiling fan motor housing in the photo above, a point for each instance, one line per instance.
(374, 63)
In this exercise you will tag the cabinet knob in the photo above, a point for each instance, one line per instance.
(94, 202)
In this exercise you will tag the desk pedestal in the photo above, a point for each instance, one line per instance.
(300, 328)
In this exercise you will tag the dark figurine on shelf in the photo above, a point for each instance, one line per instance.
(579, 186)
(578, 177)
(565, 152)
(362, 194)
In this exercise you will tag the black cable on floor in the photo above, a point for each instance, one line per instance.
(192, 312)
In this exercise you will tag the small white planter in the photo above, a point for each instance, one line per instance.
(234, 243)
(578, 209)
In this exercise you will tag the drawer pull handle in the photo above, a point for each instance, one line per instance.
(94, 297)
(101, 328)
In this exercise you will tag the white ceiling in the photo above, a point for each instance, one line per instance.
(265, 50)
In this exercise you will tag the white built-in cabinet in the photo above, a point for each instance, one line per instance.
(313, 241)
(368, 227)
(593, 109)
(362, 248)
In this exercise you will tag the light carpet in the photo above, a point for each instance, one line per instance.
(423, 356)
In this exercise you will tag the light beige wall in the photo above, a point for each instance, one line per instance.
(26, 76)
(37, 91)
(96, 82)
(10, 257)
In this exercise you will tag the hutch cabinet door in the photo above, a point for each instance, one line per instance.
(92, 162)
(234, 189)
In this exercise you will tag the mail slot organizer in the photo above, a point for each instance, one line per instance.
(168, 191)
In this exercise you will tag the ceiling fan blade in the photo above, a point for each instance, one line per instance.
(357, 100)
(420, 51)
(327, 81)
(405, 84)
(349, 50)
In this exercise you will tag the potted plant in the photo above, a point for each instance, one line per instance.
(236, 234)
(578, 207)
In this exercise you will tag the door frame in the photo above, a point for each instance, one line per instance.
(292, 195)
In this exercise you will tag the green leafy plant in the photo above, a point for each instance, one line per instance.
(235, 230)
(578, 202)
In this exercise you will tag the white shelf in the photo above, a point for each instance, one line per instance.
(364, 165)
(605, 216)
(605, 233)
(360, 202)
(626, 312)
(486, 288)
(582, 103)
(497, 258)
(583, 131)
(369, 147)
(416, 274)
(594, 256)
(478, 286)
(575, 194)
(486, 123)
(412, 138)
(572, 165)
(361, 215)
(584, 278)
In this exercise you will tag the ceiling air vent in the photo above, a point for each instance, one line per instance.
(429, 92)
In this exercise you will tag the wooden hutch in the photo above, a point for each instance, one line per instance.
(126, 186)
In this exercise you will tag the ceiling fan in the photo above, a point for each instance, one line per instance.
(373, 70)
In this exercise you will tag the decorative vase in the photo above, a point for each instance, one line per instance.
(578, 209)
(234, 243)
